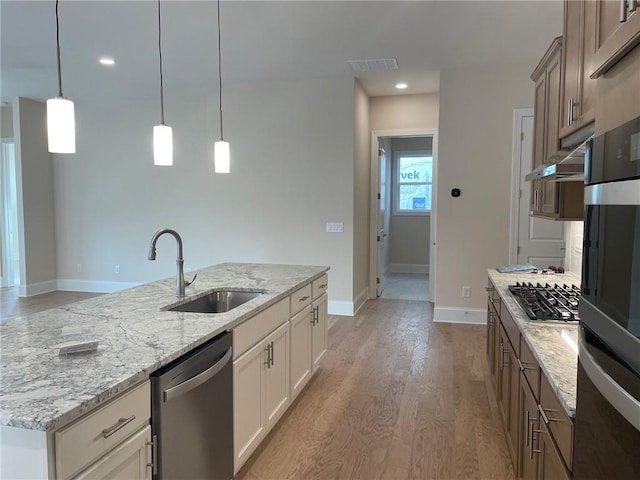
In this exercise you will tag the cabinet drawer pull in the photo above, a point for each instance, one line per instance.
(623, 11)
(121, 423)
(306, 297)
(272, 353)
(324, 285)
(268, 350)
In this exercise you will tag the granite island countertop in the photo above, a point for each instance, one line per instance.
(552, 342)
(40, 390)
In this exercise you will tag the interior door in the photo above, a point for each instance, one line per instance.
(382, 234)
(541, 242)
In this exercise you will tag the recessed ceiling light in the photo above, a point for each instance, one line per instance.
(107, 61)
(401, 86)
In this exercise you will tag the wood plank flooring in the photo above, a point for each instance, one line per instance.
(13, 306)
(397, 397)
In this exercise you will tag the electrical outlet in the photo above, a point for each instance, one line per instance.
(466, 292)
(116, 269)
(79, 268)
(335, 227)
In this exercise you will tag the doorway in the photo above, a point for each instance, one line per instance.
(403, 214)
(9, 245)
(532, 240)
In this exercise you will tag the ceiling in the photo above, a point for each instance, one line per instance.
(261, 41)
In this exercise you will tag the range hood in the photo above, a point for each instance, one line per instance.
(566, 165)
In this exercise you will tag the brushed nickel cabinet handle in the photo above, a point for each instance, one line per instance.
(623, 11)
(268, 350)
(271, 345)
(121, 423)
(324, 285)
(306, 297)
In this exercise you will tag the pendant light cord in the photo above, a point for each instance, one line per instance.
(58, 51)
(220, 73)
(160, 53)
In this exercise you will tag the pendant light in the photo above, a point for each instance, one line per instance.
(61, 125)
(221, 153)
(162, 134)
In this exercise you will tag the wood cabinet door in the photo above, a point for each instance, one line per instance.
(319, 331)
(572, 65)
(504, 378)
(128, 461)
(538, 122)
(550, 466)
(613, 38)
(528, 424)
(277, 375)
(550, 201)
(300, 350)
(514, 418)
(491, 348)
(552, 104)
(249, 424)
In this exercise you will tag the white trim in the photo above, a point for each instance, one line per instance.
(409, 268)
(37, 288)
(476, 316)
(94, 286)
(337, 307)
(516, 160)
(375, 181)
(360, 300)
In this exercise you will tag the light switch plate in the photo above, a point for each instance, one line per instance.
(335, 227)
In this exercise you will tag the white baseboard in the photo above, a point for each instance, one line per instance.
(93, 286)
(361, 300)
(476, 316)
(409, 268)
(37, 288)
(340, 308)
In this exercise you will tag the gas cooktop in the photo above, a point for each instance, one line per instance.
(548, 302)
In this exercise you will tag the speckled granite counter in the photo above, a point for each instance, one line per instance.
(549, 341)
(40, 390)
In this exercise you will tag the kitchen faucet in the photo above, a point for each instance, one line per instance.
(180, 283)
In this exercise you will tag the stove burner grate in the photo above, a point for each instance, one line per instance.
(548, 302)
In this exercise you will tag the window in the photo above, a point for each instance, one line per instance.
(412, 184)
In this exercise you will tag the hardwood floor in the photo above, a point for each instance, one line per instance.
(397, 397)
(13, 306)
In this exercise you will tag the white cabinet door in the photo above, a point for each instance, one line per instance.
(319, 331)
(300, 350)
(277, 375)
(248, 413)
(127, 461)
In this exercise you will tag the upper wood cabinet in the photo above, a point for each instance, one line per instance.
(578, 47)
(616, 32)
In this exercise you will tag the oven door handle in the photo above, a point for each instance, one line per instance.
(617, 396)
(199, 379)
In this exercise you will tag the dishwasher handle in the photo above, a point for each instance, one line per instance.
(199, 379)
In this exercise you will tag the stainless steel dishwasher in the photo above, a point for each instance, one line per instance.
(192, 414)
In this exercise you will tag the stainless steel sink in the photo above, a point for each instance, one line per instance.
(217, 302)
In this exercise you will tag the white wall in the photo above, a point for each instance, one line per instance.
(361, 194)
(292, 171)
(476, 116)
(402, 112)
(35, 191)
(6, 122)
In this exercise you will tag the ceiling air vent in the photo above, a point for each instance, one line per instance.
(374, 65)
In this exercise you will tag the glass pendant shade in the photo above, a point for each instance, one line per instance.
(61, 125)
(221, 156)
(162, 145)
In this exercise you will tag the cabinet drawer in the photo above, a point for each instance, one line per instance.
(93, 435)
(530, 368)
(559, 424)
(512, 330)
(256, 328)
(300, 299)
(493, 297)
(319, 286)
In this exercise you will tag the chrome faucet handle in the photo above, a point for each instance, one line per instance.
(186, 283)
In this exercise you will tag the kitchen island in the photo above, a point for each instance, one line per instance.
(42, 392)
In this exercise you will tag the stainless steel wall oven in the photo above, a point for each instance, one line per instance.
(607, 429)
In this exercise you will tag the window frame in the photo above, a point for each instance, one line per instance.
(396, 182)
